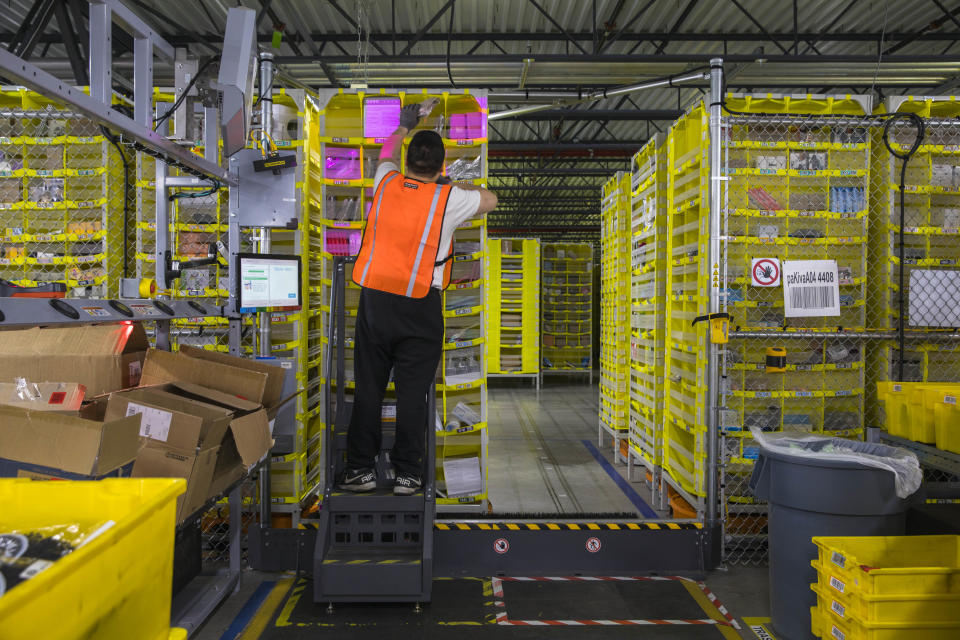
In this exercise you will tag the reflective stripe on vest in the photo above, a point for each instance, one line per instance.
(376, 216)
(401, 241)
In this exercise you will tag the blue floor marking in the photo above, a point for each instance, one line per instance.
(248, 611)
(628, 491)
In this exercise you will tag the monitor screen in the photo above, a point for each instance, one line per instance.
(268, 282)
(381, 117)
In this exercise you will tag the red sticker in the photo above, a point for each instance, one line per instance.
(593, 545)
(57, 397)
(501, 546)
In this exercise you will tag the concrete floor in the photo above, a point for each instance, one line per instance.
(539, 463)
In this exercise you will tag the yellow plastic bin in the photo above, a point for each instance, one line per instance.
(946, 415)
(825, 624)
(886, 565)
(894, 396)
(118, 585)
(922, 409)
(939, 607)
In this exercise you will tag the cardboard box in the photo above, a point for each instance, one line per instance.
(205, 436)
(43, 444)
(244, 443)
(103, 358)
(43, 396)
(273, 389)
(160, 367)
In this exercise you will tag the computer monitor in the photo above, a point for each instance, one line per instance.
(268, 282)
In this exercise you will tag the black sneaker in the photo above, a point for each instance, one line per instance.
(358, 480)
(406, 484)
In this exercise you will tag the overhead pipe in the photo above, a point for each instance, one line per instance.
(576, 97)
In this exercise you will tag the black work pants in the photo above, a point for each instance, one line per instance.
(406, 335)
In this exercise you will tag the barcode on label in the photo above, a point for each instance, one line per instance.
(811, 297)
(836, 584)
(838, 609)
(838, 559)
(836, 633)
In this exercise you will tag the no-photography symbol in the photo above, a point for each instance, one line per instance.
(500, 545)
(766, 272)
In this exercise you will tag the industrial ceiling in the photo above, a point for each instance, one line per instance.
(548, 166)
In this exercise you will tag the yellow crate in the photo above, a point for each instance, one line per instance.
(886, 565)
(118, 585)
(826, 625)
(911, 407)
(889, 608)
(947, 419)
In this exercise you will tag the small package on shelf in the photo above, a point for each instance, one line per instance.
(808, 160)
(770, 163)
(465, 169)
(342, 163)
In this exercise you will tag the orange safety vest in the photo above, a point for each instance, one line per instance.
(401, 240)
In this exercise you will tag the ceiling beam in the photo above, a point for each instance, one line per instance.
(530, 171)
(549, 115)
(522, 145)
(376, 38)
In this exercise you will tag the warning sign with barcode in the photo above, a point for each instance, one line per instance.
(811, 288)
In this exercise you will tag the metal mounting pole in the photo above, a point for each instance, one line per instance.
(264, 244)
(266, 123)
(713, 360)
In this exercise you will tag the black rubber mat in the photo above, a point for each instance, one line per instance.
(466, 609)
(615, 600)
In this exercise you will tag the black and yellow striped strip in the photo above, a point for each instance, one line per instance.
(567, 526)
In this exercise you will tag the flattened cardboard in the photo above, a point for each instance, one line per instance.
(193, 425)
(163, 366)
(102, 358)
(195, 467)
(275, 375)
(63, 445)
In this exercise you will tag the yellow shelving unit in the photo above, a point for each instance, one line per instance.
(513, 318)
(648, 280)
(61, 199)
(615, 314)
(931, 236)
(688, 280)
(566, 327)
(196, 225)
(794, 188)
(340, 178)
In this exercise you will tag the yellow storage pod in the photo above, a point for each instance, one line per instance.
(648, 280)
(615, 310)
(513, 320)
(118, 585)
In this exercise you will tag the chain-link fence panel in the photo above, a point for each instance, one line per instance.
(833, 287)
(61, 203)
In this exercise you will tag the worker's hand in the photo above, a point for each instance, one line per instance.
(410, 116)
(444, 180)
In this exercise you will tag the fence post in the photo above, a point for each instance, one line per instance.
(712, 484)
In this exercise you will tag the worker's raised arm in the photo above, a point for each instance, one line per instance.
(390, 152)
(488, 199)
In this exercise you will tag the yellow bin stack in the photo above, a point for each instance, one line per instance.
(923, 412)
(887, 588)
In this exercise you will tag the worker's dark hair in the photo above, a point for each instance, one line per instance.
(425, 154)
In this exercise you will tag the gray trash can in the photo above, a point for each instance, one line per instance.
(810, 496)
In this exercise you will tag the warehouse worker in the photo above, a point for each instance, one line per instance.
(403, 264)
